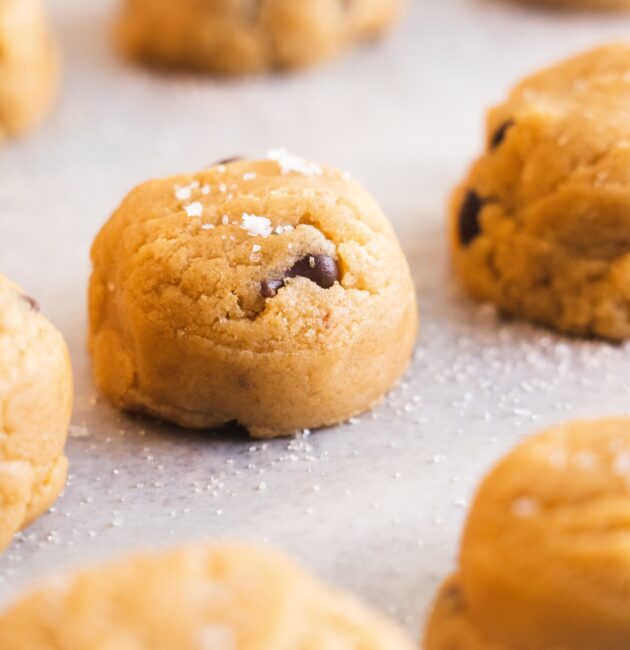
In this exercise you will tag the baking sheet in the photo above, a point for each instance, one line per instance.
(376, 505)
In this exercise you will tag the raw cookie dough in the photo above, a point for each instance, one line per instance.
(545, 555)
(272, 293)
(35, 405)
(210, 597)
(28, 65)
(244, 36)
(595, 5)
(541, 225)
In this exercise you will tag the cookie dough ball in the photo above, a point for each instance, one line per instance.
(594, 5)
(272, 293)
(227, 597)
(541, 225)
(28, 65)
(545, 555)
(245, 36)
(35, 405)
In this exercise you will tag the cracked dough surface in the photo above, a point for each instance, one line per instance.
(180, 329)
(206, 597)
(545, 554)
(244, 36)
(541, 225)
(28, 65)
(35, 406)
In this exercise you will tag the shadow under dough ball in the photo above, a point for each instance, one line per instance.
(544, 562)
(541, 224)
(247, 36)
(29, 65)
(273, 293)
(36, 401)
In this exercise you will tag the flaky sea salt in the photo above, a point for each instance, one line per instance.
(524, 508)
(255, 225)
(291, 163)
(184, 192)
(194, 209)
(621, 464)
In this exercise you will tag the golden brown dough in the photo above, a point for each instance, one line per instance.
(541, 225)
(545, 555)
(28, 65)
(589, 5)
(273, 293)
(35, 407)
(206, 597)
(244, 36)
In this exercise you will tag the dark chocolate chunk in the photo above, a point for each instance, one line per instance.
(469, 226)
(227, 161)
(455, 598)
(32, 303)
(323, 270)
(320, 269)
(500, 133)
(269, 288)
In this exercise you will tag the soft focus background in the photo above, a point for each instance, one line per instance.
(375, 505)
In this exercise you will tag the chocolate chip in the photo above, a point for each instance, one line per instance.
(269, 288)
(469, 226)
(32, 303)
(500, 133)
(227, 161)
(323, 270)
(454, 598)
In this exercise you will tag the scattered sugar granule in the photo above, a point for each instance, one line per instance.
(225, 220)
(194, 209)
(256, 248)
(206, 189)
(291, 163)
(250, 176)
(256, 226)
(207, 226)
(283, 228)
(78, 431)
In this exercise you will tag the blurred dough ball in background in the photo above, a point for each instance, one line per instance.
(206, 597)
(589, 5)
(540, 226)
(35, 408)
(246, 36)
(545, 554)
(29, 65)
